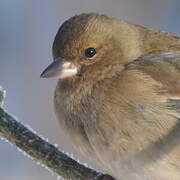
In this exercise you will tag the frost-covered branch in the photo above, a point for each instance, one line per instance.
(42, 151)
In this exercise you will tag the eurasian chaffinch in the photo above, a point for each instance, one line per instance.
(118, 95)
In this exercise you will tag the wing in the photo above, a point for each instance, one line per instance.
(141, 107)
(163, 68)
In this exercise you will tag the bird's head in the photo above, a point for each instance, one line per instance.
(89, 45)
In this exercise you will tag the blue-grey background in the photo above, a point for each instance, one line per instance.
(27, 29)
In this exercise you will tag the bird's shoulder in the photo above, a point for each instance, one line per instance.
(163, 68)
(149, 81)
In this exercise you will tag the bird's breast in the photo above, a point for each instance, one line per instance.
(115, 128)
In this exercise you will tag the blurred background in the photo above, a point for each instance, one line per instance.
(27, 30)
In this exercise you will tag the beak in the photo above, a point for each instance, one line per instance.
(59, 69)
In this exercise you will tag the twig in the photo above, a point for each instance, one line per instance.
(44, 152)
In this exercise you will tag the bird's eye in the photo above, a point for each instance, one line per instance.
(90, 52)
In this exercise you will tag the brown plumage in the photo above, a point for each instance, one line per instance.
(118, 95)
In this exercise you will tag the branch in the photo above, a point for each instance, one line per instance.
(44, 152)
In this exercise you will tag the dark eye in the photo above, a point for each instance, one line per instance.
(90, 52)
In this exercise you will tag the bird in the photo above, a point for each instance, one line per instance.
(118, 95)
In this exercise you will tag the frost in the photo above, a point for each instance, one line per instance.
(31, 129)
(69, 154)
(38, 163)
(72, 156)
(2, 96)
(45, 167)
(31, 141)
(5, 140)
(25, 154)
(60, 178)
(56, 145)
(85, 164)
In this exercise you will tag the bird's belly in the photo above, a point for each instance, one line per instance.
(126, 159)
(128, 141)
(151, 164)
(136, 149)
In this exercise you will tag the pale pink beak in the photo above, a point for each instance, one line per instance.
(59, 69)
